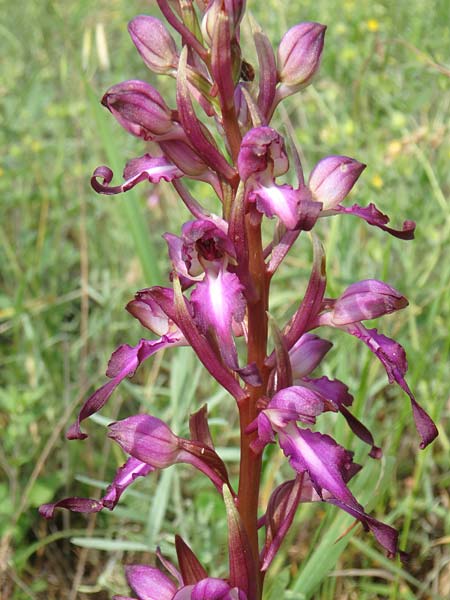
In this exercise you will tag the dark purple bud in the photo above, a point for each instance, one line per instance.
(299, 54)
(332, 179)
(366, 300)
(154, 43)
(307, 353)
(148, 439)
(141, 110)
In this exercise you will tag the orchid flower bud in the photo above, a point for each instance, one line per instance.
(141, 110)
(299, 54)
(234, 9)
(146, 438)
(332, 179)
(364, 300)
(154, 43)
(307, 353)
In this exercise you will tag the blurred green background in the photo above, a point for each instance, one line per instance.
(70, 260)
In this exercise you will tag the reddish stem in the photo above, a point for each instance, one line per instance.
(250, 465)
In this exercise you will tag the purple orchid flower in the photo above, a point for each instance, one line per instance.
(219, 291)
(263, 157)
(331, 181)
(149, 583)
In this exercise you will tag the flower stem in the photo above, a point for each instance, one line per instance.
(250, 465)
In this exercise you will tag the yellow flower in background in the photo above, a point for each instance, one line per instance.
(377, 182)
(373, 25)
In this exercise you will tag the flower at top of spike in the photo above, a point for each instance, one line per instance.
(154, 43)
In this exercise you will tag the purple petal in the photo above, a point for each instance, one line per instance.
(294, 403)
(393, 358)
(332, 179)
(321, 457)
(336, 394)
(149, 583)
(362, 432)
(375, 217)
(124, 477)
(217, 301)
(211, 589)
(123, 363)
(83, 505)
(151, 441)
(186, 159)
(308, 213)
(144, 168)
(333, 390)
(365, 300)
(385, 535)
(206, 460)
(178, 308)
(307, 353)
(280, 201)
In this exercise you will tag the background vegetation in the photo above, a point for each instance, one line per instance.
(70, 260)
